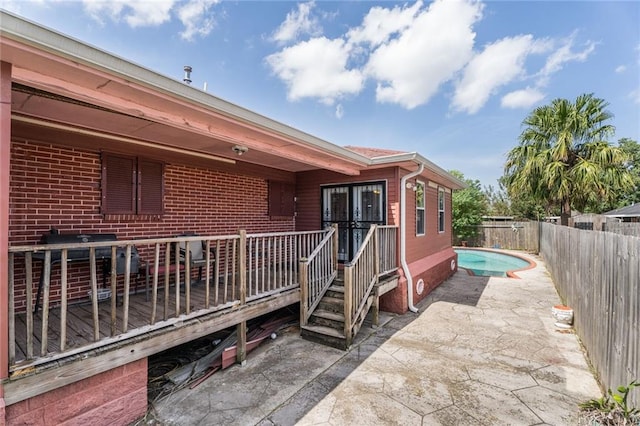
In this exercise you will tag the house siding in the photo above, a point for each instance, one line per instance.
(115, 397)
(60, 187)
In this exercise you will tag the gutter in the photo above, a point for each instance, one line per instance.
(417, 158)
(403, 237)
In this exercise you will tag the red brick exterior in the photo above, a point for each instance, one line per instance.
(59, 187)
(428, 256)
(115, 397)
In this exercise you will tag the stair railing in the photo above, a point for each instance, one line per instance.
(387, 247)
(317, 272)
(360, 275)
(375, 258)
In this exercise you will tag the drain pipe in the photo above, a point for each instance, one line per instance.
(403, 238)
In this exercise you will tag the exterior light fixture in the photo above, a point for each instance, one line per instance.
(239, 149)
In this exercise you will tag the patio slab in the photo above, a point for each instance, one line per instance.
(481, 351)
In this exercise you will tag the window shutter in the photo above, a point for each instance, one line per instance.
(118, 184)
(150, 187)
(281, 199)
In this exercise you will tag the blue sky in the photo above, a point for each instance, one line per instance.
(452, 80)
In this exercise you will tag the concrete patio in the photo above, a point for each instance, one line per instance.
(481, 351)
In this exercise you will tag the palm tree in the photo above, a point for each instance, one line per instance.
(563, 158)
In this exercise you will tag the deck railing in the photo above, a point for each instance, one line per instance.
(317, 272)
(375, 258)
(78, 314)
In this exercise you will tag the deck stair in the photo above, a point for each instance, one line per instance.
(326, 324)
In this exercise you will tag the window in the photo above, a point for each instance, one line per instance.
(420, 202)
(440, 210)
(281, 199)
(131, 185)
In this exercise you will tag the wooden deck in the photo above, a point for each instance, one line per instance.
(79, 321)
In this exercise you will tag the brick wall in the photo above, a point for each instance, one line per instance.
(308, 193)
(115, 397)
(59, 187)
(433, 241)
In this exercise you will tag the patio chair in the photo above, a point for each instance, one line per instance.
(197, 256)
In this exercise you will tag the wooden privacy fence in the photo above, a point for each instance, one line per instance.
(508, 235)
(623, 228)
(598, 275)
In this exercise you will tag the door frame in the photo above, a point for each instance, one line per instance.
(350, 220)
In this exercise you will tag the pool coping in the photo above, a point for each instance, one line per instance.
(510, 273)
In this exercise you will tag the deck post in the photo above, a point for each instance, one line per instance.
(334, 253)
(348, 302)
(5, 160)
(376, 253)
(304, 289)
(241, 353)
(242, 267)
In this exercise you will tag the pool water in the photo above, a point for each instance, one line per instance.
(489, 263)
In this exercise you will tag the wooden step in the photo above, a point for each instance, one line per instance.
(325, 318)
(331, 304)
(324, 335)
(387, 284)
(337, 292)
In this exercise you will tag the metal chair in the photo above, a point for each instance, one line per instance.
(197, 255)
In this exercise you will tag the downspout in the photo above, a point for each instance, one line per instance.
(403, 237)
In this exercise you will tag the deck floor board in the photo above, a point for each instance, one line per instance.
(80, 318)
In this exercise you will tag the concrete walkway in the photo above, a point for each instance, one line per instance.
(480, 352)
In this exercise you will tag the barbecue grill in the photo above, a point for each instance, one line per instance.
(82, 254)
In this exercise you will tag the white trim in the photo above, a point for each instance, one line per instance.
(442, 191)
(423, 209)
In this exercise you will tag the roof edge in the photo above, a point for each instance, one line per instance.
(35, 35)
(418, 159)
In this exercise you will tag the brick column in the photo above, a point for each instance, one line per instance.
(5, 153)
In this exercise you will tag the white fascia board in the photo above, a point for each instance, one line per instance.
(419, 159)
(27, 32)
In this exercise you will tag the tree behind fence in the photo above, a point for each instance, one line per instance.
(598, 275)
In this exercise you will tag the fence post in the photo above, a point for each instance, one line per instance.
(348, 302)
(242, 267)
(304, 289)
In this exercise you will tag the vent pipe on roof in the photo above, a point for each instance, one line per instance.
(187, 74)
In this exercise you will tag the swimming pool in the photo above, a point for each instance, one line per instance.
(490, 263)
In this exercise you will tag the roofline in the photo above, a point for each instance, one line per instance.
(35, 35)
(418, 159)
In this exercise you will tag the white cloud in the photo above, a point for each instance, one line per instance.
(380, 23)
(18, 6)
(193, 14)
(555, 61)
(134, 13)
(316, 68)
(339, 111)
(524, 98)
(196, 18)
(296, 23)
(498, 64)
(437, 44)
(620, 69)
